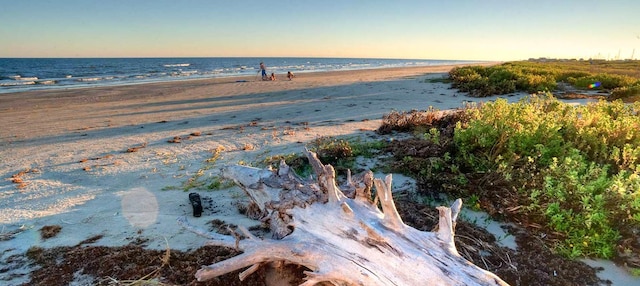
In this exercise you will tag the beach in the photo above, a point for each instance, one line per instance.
(113, 162)
(114, 165)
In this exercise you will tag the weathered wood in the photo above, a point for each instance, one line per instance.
(342, 239)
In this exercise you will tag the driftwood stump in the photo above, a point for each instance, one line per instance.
(340, 234)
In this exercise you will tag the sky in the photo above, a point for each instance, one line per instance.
(495, 30)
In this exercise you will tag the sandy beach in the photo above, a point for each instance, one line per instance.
(98, 161)
(113, 118)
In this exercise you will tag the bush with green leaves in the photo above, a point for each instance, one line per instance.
(533, 83)
(533, 77)
(340, 153)
(505, 133)
(569, 76)
(606, 81)
(626, 92)
(574, 200)
(577, 168)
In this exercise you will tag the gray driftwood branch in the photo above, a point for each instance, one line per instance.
(340, 234)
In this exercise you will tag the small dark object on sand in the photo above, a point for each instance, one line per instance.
(194, 198)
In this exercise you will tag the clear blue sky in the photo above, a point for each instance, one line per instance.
(423, 29)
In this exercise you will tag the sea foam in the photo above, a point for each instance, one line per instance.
(176, 65)
(17, 83)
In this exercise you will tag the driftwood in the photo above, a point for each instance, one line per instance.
(340, 234)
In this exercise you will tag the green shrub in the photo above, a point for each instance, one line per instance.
(625, 92)
(566, 76)
(574, 200)
(501, 133)
(533, 77)
(341, 153)
(298, 163)
(533, 83)
(330, 149)
(576, 168)
(607, 81)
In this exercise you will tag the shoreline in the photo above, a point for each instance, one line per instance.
(22, 108)
(55, 74)
(79, 137)
(253, 78)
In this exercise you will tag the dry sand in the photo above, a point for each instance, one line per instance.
(68, 148)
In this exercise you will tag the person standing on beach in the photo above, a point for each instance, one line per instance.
(264, 71)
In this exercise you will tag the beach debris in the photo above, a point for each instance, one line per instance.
(108, 156)
(179, 139)
(289, 131)
(196, 203)
(338, 233)
(221, 227)
(10, 234)
(49, 231)
(88, 168)
(175, 139)
(152, 278)
(305, 125)
(215, 154)
(136, 148)
(19, 181)
(248, 147)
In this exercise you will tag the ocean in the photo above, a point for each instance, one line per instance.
(27, 74)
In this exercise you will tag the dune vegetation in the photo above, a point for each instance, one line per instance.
(617, 79)
(570, 174)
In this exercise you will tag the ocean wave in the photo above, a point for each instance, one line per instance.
(18, 77)
(17, 83)
(176, 65)
(89, 79)
(184, 73)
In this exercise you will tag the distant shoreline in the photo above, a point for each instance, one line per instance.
(91, 106)
(230, 79)
(37, 74)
